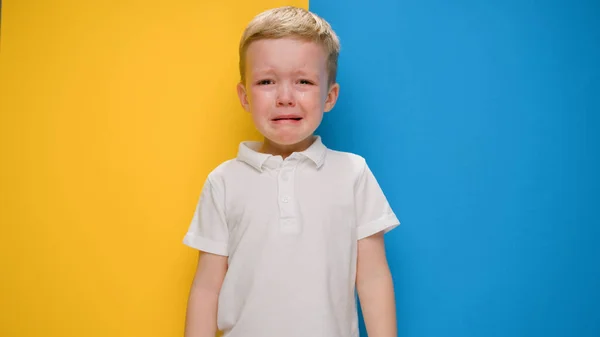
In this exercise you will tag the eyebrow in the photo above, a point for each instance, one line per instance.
(262, 72)
(271, 71)
(306, 73)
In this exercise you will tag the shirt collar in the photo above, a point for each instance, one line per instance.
(248, 153)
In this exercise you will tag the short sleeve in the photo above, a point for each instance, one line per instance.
(373, 212)
(208, 230)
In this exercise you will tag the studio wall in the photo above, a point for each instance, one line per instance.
(112, 113)
(481, 121)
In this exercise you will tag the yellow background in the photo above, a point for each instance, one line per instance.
(111, 115)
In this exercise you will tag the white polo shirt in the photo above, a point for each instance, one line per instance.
(290, 230)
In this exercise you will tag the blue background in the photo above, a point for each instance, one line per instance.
(480, 120)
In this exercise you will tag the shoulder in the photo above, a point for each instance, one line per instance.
(347, 160)
(233, 171)
(221, 172)
(351, 168)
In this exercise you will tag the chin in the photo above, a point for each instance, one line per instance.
(288, 139)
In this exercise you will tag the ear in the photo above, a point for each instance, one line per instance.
(332, 96)
(243, 96)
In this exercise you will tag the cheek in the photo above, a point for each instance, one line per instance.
(309, 99)
(260, 103)
(310, 103)
(260, 98)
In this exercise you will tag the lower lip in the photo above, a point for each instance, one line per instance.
(286, 121)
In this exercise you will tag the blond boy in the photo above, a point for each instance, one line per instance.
(289, 229)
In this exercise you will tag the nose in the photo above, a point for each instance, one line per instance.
(285, 96)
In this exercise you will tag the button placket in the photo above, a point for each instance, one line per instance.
(287, 204)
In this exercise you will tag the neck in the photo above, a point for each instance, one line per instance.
(285, 150)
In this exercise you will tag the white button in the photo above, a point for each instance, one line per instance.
(285, 199)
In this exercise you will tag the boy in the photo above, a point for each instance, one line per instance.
(290, 229)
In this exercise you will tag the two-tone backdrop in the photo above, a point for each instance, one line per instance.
(480, 120)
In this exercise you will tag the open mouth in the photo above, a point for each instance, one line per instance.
(287, 119)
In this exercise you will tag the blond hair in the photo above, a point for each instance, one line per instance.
(292, 22)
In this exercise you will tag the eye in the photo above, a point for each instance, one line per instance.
(264, 82)
(306, 82)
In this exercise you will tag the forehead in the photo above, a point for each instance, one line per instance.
(285, 54)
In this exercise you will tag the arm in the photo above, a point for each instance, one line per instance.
(375, 287)
(201, 315)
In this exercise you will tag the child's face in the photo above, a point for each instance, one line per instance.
(286, 88)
